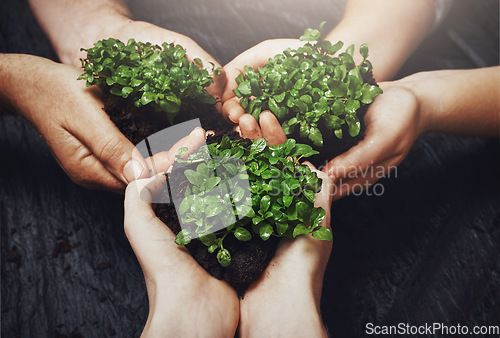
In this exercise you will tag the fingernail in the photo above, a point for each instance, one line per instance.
(132, 170)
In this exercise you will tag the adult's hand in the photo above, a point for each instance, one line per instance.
(285, 300)
(184, 300)
(143, 31)
(70, 118)
(75, 25)
(254, 57)
(393, 123)
(450, 101)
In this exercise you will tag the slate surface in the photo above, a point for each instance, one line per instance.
(425, 251)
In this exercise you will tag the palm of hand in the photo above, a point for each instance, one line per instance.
(180, 291)
(393, 123)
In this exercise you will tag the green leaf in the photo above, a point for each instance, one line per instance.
(274, 107)
(258, 146)
(279, 98)
(303, 150)
(265, 203)
(300, 229)
(289, 145)
(183, 237)
(316, 137)
(281, 228)
(224, 257)
(242, 234)
(208, 239)
(317, 216)
(147, 97)
(310, 195)
(369, 92)
(211, 182)
(214, 210)
(354, 125)
(126, 91)
(287, 200)
(363, 50)
(322, 233)
(185, 205)
(193, 177)
(338, 133)
(266, 231)
(350, 50)
(244, 88)
(338, 88)
(303, 211)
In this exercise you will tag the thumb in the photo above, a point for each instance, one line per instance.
(115, 152)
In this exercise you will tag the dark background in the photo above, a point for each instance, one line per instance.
(425, 251)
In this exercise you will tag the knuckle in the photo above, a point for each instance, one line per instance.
(110, 150)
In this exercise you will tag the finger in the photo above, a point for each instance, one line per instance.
(151, 240)
(232, 110)
(104, 139)
(162, 161)
(271, 128)
(81, 165)
(249, 127)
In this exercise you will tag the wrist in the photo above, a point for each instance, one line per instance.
(421, 87)
(17, 74)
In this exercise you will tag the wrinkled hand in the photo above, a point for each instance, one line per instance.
(70, 118)
(285, 300)
(146, 32)
(184, 299)
(393, 124)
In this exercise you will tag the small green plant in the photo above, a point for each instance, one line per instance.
(308, 87)
(268, 193)
(147, 74)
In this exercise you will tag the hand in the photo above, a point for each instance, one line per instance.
(70, 118)
(285, 300)
(254, 57)
(124, 29)
(268, 126)
(393, 123)
(184, 299)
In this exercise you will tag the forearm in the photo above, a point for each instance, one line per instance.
(391, 28)
(74, 24)
(458, 101)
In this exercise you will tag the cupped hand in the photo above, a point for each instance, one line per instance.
(254, 57)
(146, 32)
(393, 123)
(285, 300)
(184, 300)
(70, 118)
